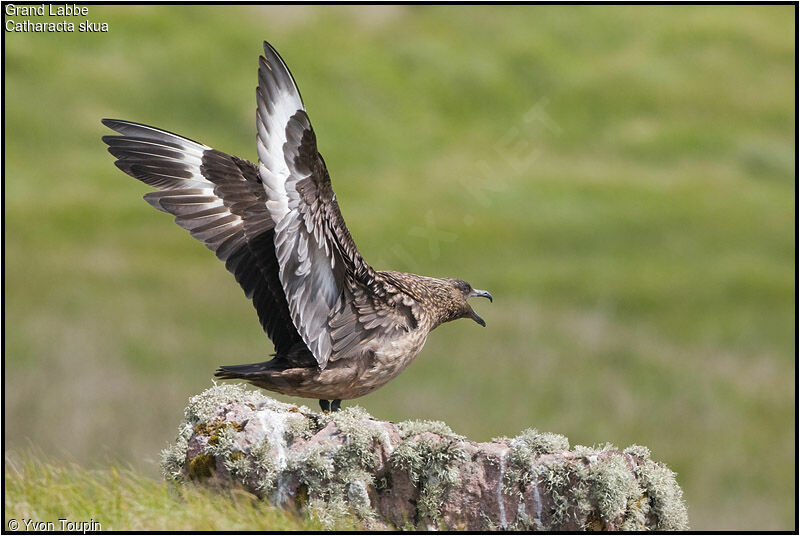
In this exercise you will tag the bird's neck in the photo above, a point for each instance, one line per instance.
(434, 296)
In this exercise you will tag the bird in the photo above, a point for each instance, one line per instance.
(340, 328)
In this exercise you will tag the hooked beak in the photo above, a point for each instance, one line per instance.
(479, 294)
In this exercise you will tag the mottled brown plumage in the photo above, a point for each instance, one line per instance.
(340, 328)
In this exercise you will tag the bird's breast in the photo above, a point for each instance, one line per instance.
(391, 357)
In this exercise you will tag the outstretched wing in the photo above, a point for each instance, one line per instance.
(219, 199)
(322, 273)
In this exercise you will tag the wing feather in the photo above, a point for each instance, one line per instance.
(219, 199)
(321, 270)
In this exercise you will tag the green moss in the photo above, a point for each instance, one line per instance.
(202, 466)
(201, 417)
(224, 447)
(208, 428)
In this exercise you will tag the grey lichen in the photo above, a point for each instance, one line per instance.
(298, 425)
(337, 475)
(335, 458)
(173, 458)
(413, 428)
(524, 449)
(667, 509)
(205, 407)
(583, 450)
(602, 491)
(266, 473)
(643, 453)
(531, 442)
(557, 478)
(223, 447)
(361, 434)
(612, 487)
(637, 514)
(430, 454)
(202, 416)
(223, 441)
(358, 495)
(313, 466)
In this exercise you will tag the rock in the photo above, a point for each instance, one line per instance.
(416, 474)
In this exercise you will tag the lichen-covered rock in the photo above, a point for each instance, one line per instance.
(416, 474)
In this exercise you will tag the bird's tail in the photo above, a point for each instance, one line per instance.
(274, 376)
(232, 372)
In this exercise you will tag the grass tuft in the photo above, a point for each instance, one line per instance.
(124, 500)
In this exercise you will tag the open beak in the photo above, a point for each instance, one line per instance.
(478, 319)
(479, 294)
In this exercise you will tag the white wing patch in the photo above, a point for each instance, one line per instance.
(304, 256)
(278, 100)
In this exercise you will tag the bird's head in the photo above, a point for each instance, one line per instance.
(459, 292)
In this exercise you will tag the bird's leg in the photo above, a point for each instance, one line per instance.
(336, 405)
(325, 405)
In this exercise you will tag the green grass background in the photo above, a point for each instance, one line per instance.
(620, 178)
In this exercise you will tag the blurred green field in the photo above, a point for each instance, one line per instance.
(620, 178)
